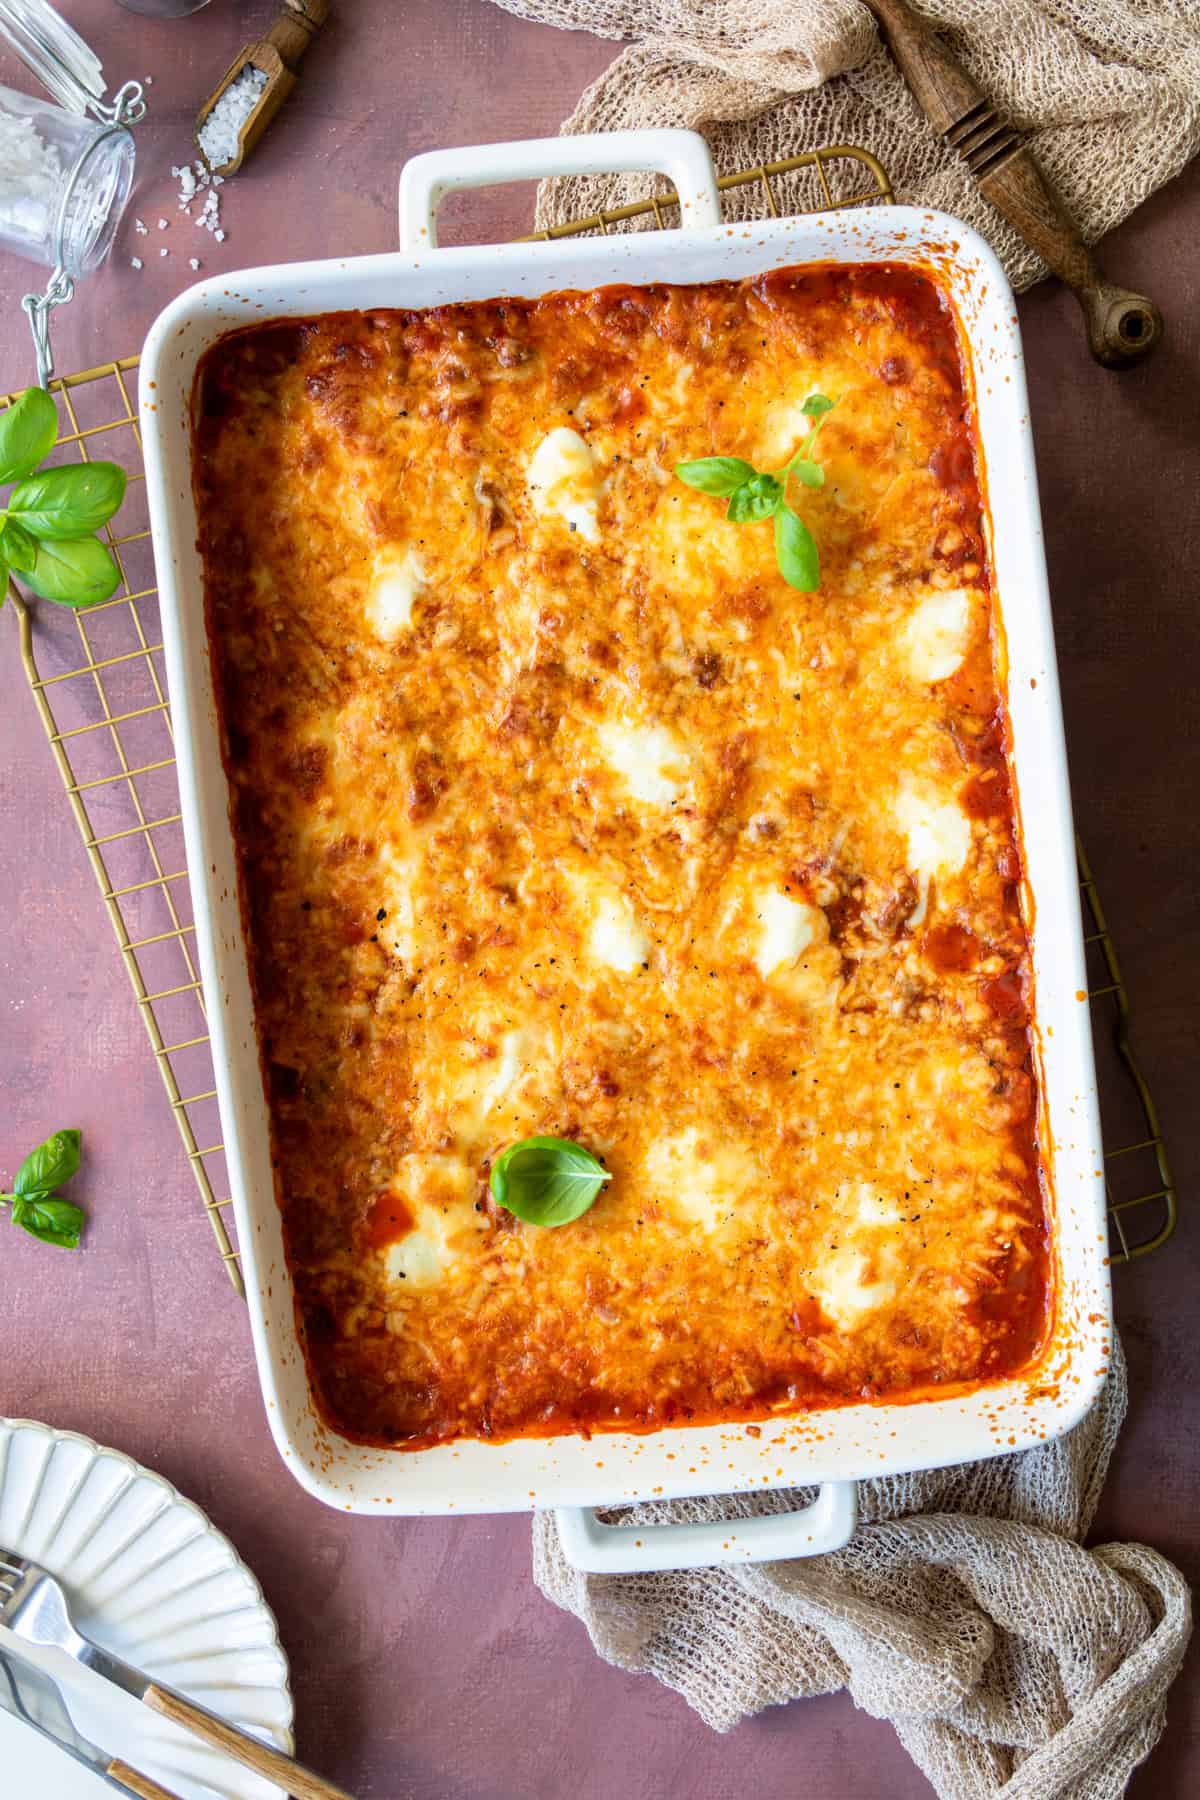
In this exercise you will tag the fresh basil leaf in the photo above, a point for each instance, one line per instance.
(546, 1180)
(20, 550)
(52, 1163)
(3, 582)
(817, 405)
(796, 552)
(70, 501)
(715, 474)
(75, 572)
(755, 499)
(27, 432)
(810, 473)
(53, 1221)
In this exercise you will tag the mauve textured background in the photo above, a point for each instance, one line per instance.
(424, 1661)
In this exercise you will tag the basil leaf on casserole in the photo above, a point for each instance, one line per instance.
(547, 1180)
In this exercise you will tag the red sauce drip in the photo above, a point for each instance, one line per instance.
(951, 948)
(953, 463)
(986, 796)
(388, 1220)
(1005, 995)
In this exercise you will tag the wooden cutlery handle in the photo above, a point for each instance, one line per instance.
(136, 1783)
(1122, 327)
(251, 1752)
(943, 89)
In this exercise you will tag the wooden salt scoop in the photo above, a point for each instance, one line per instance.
(278, 56)
(1122, 327)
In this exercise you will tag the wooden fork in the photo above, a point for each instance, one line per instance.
(1122, 327)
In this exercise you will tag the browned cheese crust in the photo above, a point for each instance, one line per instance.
(559, 812)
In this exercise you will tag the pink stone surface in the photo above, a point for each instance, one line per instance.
(425, 1663)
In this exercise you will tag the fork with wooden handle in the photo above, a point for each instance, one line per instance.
(33, 1606)
(1122, 327)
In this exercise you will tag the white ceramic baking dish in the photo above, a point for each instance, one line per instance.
(832, 1449)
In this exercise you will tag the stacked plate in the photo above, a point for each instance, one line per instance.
(151, 1579)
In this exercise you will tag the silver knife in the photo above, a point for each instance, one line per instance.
(31, 1696)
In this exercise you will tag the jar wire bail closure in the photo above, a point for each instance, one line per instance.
(99, 161)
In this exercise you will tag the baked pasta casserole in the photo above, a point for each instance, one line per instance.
(558, 811)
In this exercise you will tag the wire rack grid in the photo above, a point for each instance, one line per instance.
(99, 685)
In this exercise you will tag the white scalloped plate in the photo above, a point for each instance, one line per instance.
(151, 1579)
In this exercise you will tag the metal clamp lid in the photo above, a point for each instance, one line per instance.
(128, 106)
(71, 72)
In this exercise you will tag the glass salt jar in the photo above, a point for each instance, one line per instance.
(64, 181)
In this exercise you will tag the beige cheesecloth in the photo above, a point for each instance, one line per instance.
(1107, 90)
(1009, 1659)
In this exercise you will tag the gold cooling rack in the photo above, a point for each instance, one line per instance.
(98, 681)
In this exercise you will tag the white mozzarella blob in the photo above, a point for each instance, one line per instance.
(934, 639)
(418, 1259)
(840, 1284)
(652, 763)
(481, 1086)
(505, 1073)
(786, 929)
(869, 1207)
(493, 1087)
(937, 831)
(785, 426)
(396, 877)
(616, 937)
(397, 579)
(702, 1184)
(437, 1191)
(564, 481)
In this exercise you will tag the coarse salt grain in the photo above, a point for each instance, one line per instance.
(193, 262)
(135, 262)
(163, 223)
(221, 130)
(140, 228)
(164, 251)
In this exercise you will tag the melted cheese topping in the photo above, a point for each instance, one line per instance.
(564, 481)
(397, 580)
(616, 936)
(559, 812)
(649, 761)
(937, 832)
(787, 928)
(705, 1185)
(937, 633)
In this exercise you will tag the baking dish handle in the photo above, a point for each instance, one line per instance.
(600, 1549)
(683, 155)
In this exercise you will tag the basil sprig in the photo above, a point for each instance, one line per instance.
(547, 1180)
(46, 529)
(33, 1204)
(756, 494)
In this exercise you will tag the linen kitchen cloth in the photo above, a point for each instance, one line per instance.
(1107, 90)
(1010, 1660)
